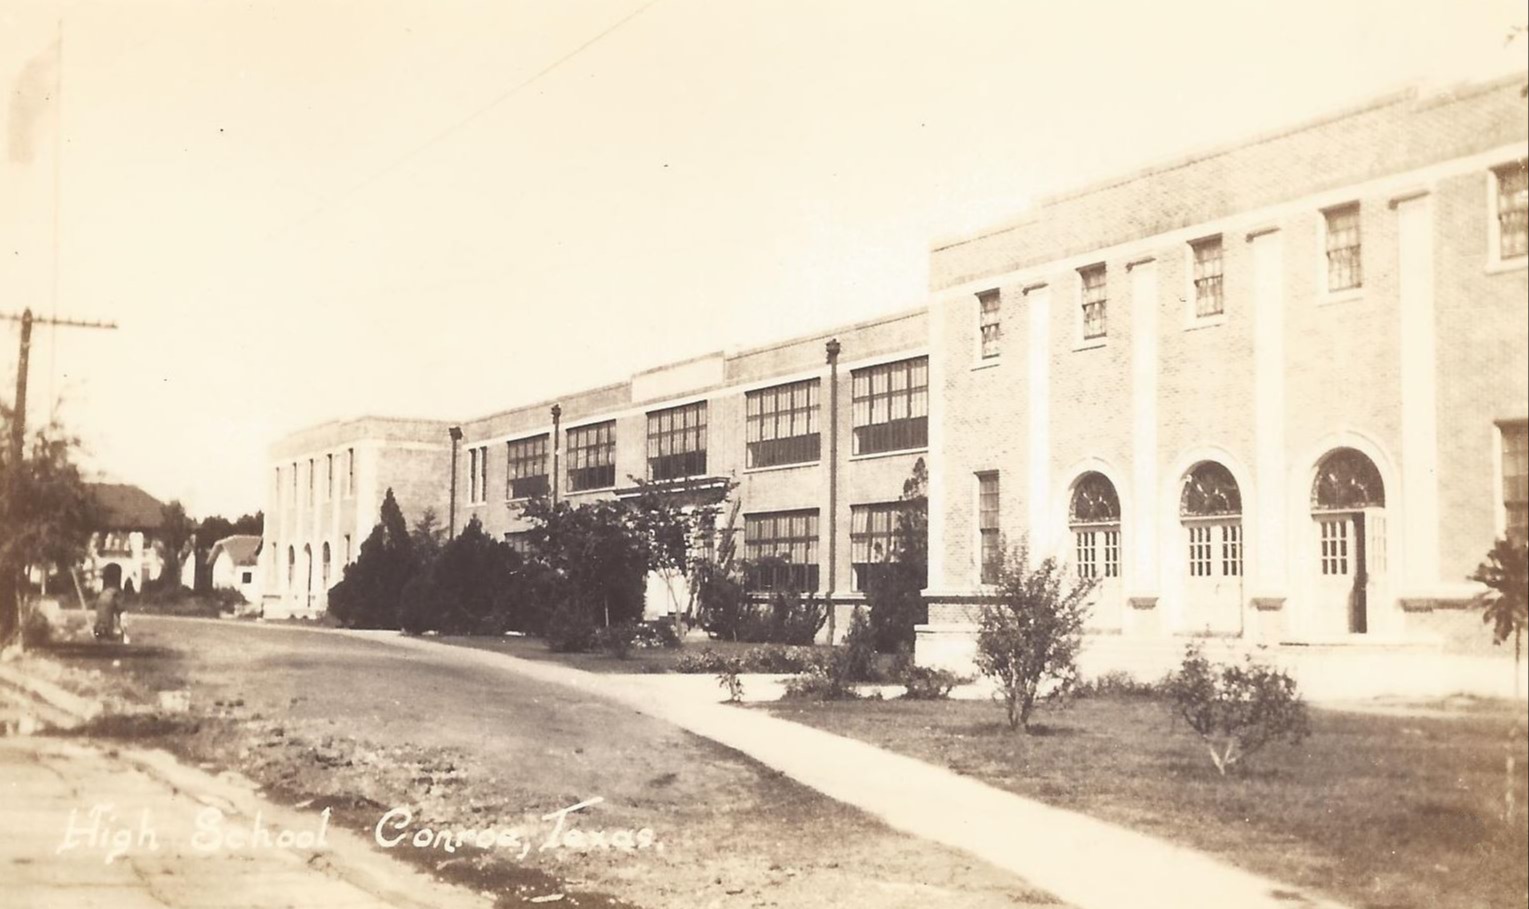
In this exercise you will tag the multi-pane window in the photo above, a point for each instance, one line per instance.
(1512, 210)
(1095, 299)
(891, 406)
(1515, 479)
(592, 457)
(783, 424)
(477, 474)
(1209, 300)
(873, 538)
(782, 550)
(1094, 518)
(519, 541)
(990, 323)
(987, 526)
(1210, 506)
(1334, 532)
(677, 442)
(526, 471)
(1344, 271)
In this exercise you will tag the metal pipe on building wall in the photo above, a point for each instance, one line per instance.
(451, 507)
(832, 347)
(557, 437)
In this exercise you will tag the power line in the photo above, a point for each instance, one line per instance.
(456, 127)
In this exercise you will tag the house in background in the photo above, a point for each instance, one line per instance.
(234, 561)
(124, 551)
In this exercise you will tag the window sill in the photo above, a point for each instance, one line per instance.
(1341, 296)
(1197, 323)
(988, 363)
(774, 467)
(889, 454)
(570, 493)
(1504, 266)
(1091, 343)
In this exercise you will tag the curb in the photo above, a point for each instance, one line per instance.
(78, 709)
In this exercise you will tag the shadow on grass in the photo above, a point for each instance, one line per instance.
(107, 650)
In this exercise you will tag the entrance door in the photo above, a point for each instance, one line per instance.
(1348, 511)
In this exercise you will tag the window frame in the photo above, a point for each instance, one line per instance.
(989, 343)
(1194, 317)
(1495, 259)
(761, 453)
(902, 434)
(1324, 260)
(588, 443)
(520, 455)
(687, 460)
(1502, 507)
(809, 578)
(989, 528)
(1083, 338)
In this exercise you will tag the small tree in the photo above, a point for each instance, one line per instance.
(1028, 641)
(1505, 604)
(895, 588)
(371, 593)
(176, 531)
(1236, 709)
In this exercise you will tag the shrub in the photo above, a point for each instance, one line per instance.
(1505, 604)
(1028, 641)
(36, 629)
(728, 679)
(1236, 709)
(894, 589)
(921, 683)
(855, 658)
(570, 629)
(1119, 685)
(655, 635)
(772, 658)
(818, 684)
(617, 639)
(370, 595)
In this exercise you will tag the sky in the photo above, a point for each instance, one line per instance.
(308, 210)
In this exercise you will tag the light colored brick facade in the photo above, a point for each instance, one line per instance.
(1415, 368)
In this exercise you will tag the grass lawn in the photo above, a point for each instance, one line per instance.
(1379, 811)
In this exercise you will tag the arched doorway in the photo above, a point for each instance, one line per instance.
(324, 575)
(111, 576)
(1348, 501)
(307, 576)
(1093, 517)
(1210, 512)
(291, 566)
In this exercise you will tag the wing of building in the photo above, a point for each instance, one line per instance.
(1273, 395)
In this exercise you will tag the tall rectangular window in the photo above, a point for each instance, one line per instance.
(477, 474)
(677, 442)
(1095, 301)
(472, 475)
(783, 424)
(350, 472)
(1209, 300)
(1515, 478)
(987, 527)
(1344, 271)
(1512, 210)
(329, 478)
(891, 406)
(789, 541)
(310, 480)
(873, 538)
(526, 475)
(990, 323)
(592, 457)
(293, 492)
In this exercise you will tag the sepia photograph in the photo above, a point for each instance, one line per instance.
(726, 454)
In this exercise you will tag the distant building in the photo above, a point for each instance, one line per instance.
(124, 551)
(234, 564)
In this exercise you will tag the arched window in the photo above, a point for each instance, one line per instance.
(1210, 507)
(1347, 481)
(325, 575)
(1094, 517)
(291, 565)
(307, 568)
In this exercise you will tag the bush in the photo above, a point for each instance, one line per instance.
(855, 659)
(772, 658)
(370, 594)
(36, 629)
(1028, 642)
(1236, 709)
(728, 612)
(894, 589)
(655, 635)
(570, 630)
(1117, 684)
(818, 684)
(617, 639)
(921, 683)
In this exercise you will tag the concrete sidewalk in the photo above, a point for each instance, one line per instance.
(1081, 860)
(87, 827)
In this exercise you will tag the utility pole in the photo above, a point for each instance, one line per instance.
(10, 612)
